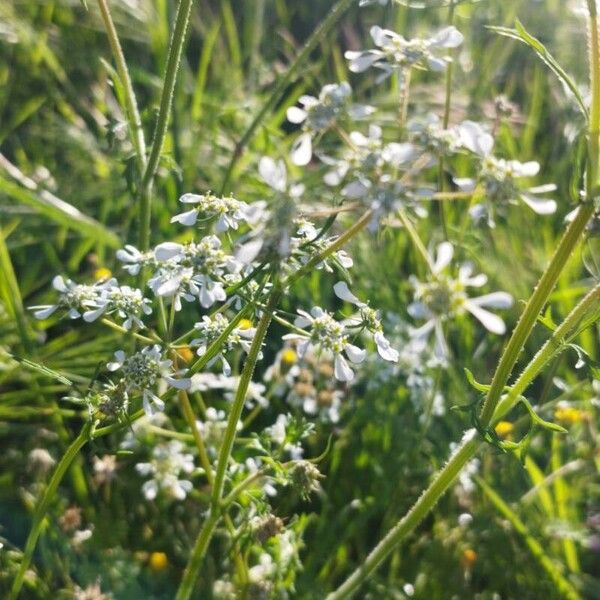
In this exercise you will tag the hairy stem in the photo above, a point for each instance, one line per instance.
(534, 305)
(133, 115)
(468, 448)
(160, 131)
(191, 571)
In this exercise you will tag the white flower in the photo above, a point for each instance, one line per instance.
(274, 174)
(134, 259)
(128, 303)
(443, 297)
(193, 270)
(75, 298)
(211, 328)
(499, 179)
(327, 335)
(167, 464)
(142, 371)
(318, 114)
(367, 319)
(228, 211)
(394, 52)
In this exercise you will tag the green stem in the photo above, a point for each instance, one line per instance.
(133, 116)
(282, 84)
(468, 448)
(415, 515)
(555, 344)
(333, 247)
(172, 68)
(191, 572)
(416, 240)
(195, 561)
(42, 507)
(534, 305)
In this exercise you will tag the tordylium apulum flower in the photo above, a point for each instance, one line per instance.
(228, 212)
(444, 296)
(499, 185)
(143, 371)
(319, 114)
(395, 53)
(166, 466)
(331, 338)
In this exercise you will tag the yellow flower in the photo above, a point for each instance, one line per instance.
(468, 558)
(569, 415)
(102, 273)
(288, 357)
(158, 561)
(504, 429)
(186, 353)
(244, 324)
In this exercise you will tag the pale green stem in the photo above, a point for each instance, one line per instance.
(191, 571)
(171, 70)
(416, 240)
(466, 450)
(133, 116)
(534, 305)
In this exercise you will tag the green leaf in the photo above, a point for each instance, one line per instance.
(29, 364)
(59, 211)
(480, 387)
(521, 34)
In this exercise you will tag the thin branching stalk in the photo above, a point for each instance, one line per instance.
(216, 509)
(313, 41)
(171, 71)
(134, 122)
(191, 571)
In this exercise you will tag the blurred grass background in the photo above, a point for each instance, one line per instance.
(61, 132)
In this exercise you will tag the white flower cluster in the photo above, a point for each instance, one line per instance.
(395, 53)
(443, 297)
(228, 212)
(167, 464)
(319, 114)
(329, 337)
(142, 371)
(211, 328)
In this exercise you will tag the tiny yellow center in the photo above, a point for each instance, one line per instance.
(504, 429)
(102, 273)
(288, 356)
(158, 561)
(245, 324)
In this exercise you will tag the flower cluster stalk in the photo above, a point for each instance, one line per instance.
(172, 69)
(133, 115)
